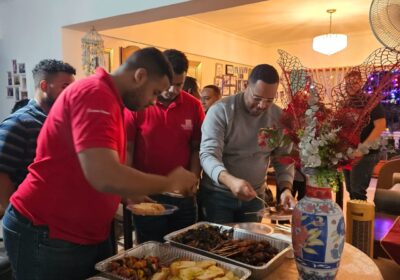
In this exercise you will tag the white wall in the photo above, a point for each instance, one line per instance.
(30, 30)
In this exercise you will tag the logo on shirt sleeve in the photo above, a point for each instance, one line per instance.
(188, 125)
(97, 111)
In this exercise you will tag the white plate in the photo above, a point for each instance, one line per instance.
(169, 209)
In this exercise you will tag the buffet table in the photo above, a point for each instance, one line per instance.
(354, 265)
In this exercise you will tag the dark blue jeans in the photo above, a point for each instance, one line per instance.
(156, 227)
(358, 178)
(220, 208)
(33, 255)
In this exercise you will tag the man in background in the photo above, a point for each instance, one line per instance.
(209, 95)
(161, 138)
(19, 131)
(233, 163)
(357, 179)
(191, 87)
(58, 223)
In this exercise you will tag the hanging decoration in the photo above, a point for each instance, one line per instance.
(92, 51)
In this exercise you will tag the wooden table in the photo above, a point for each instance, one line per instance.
(353, 265)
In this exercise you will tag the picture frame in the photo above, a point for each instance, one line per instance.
(17, 80)
(9, 78)
(21, 68)
(14, 66)
(218, 81)
(10, 92)
(108, 59)
(218, 69)
(225, 91)
(23, 82)
(229, 69)
(16, 94)
(24, 94)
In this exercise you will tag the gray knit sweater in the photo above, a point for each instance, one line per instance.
(229, 142)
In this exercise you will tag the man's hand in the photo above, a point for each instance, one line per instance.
(182, 182)
(287, 199)
(242, 190)
(239, 187)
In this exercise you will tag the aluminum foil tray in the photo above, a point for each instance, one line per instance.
(167, 254)
(257, 272)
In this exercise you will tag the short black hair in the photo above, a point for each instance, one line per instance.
(190, 84)
(265, 73)
(178, 60)
(47, 68)
(214, 88)
(151, 59)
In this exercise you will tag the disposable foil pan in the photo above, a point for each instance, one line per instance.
(167, 254)
(257, 272)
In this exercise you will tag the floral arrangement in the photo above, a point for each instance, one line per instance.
(325, 138)
(326, 132)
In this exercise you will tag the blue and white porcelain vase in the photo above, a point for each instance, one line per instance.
(318, 234)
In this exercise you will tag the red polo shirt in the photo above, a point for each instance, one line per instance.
(163, 136)
(88, 114)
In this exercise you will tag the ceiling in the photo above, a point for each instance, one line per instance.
(276, 21)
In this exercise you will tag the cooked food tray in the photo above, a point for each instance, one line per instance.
(257, 272)
(167, 254)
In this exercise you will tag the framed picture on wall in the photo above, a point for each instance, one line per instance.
(108, 59)
(229, 69)
(225, 91)
(218, 82)
(218, 69)
(10, 91)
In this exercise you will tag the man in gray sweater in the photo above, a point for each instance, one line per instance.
(233, 163)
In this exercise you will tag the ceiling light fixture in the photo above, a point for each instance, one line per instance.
(329, 43)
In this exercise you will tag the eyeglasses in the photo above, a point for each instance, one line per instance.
(259, 99)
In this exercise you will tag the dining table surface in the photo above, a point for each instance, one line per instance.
(354, 263)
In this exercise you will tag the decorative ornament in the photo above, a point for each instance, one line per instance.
(92, 51)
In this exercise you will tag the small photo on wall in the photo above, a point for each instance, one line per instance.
(14, 66)
(9, 78)
(225, 91)
(21, 68)
(23, 82)
(10, 91)
(17, 80)
(16, 93)
(24, 94)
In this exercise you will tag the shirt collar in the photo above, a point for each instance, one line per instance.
(103, 75)
(178, 100)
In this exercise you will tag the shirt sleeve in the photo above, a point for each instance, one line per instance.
(378, 112)
(96, 120)
(12, 146)
(212, 142)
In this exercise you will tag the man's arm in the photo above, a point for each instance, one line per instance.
(103, 171)
(6, 189)
(379, 127)
(211, 151)
(195, 166)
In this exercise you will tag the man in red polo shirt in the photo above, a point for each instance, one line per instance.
(58, 221)
(165, 136)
